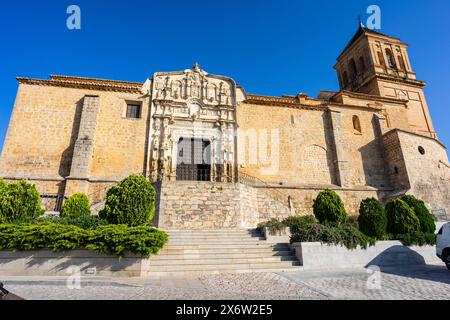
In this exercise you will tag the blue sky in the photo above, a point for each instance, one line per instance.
(268, 47)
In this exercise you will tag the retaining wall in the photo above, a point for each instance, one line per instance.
(315, 255)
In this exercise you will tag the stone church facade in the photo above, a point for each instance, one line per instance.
(221, 157)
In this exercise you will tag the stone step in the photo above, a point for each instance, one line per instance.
(230, 236)
(191, 242)
(212, 232)
(218, 267)
(231, 253)
(220, 260)
(225, 244)
(216, 237)
(191, 252)
(242, 247)
(174, 255)
(158, 274)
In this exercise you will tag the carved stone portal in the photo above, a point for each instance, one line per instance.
(193, 106)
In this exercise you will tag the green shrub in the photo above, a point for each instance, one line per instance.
(273, 225)
(118, 239)
(426, 219)
(342, 234)
(39, 236)
(130, 202)
(297, 222)
(353, 221)
(4, 200)
(308, 233)
(22, 201)
(328, 206)
(292, 222)
(76, 206)
(401, 219)
(110, 239)
(372, 220)
(84, 221)
(416, 238)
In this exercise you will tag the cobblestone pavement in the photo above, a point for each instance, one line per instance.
(428, 282)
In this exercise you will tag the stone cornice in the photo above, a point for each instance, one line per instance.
(85, 83)
(365, 96)
(293, 102)
(413, 82)
(319, 104)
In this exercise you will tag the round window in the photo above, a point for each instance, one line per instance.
(421, 150)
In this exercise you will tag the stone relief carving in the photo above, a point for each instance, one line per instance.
(193, 83)
(204, 106)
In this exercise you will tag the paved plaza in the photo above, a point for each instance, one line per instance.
(425, 282)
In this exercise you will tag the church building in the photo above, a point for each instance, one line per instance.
(222, 157)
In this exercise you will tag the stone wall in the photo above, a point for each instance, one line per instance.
(428, 173)
(281, 144)
(208, 205)
(316, 256)
(46, 124)
(315, 147)
(46, 263)
(302, 198)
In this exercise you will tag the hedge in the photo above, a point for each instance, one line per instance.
(328, 206)
(292, 222)
(77, 205)
(401, 219)
(19, 200)
(416, 238)
(117, 239)
(372, 220)
(110, 239)
(426, 220)
(343, 234)
(131, 202)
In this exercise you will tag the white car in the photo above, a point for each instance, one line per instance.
(443, 244)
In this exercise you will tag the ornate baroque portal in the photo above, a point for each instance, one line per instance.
(193, 125)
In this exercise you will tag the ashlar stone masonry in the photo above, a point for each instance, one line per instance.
(221, 157)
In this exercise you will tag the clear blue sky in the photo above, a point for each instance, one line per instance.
(269, 47)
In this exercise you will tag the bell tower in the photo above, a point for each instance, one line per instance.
(378, 64)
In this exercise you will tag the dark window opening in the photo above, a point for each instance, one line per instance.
(362, 64)
(345, 78)
(133, 111)
(421, 150)
(401, 63)
(356, 124)
(395, 170)
(352, 69)
(390, 58)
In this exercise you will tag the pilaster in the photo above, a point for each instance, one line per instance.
(84, 147)
(340, 158)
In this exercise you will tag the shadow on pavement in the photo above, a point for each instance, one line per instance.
(6, 295)
(402, 261)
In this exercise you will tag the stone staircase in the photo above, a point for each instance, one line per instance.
(193, 252)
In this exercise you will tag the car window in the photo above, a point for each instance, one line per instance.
(440, 230)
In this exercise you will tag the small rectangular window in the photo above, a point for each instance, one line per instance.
(133, 111)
